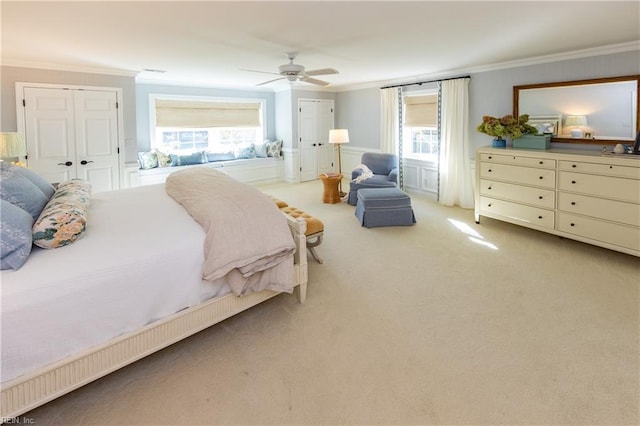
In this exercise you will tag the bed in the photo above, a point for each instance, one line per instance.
(131, 285)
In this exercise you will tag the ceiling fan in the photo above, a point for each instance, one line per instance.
(294, 72)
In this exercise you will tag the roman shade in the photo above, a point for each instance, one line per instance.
(421, 111)
(201, 114)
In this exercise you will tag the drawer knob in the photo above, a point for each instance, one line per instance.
(539, 217)
(540, 197)
(490, 157)
(541, 162)
(573, 181)
(574, 166)
(573, 203)
(489, 188)
(489, 170)
(573, 224)
(488, 205)
(611, 167)
(541, 177)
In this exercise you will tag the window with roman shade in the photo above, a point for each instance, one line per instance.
(204, 114)
(420, 138)
(421, 111)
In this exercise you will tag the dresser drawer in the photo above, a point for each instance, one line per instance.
(602, 186)
(522, 194)
(607, 232)
(516, 174)
(518, 160)
(602, 169)
(617, 211)
(518, 212)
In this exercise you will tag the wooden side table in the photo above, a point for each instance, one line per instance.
(331, 194)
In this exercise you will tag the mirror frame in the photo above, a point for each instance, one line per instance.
(636, 78)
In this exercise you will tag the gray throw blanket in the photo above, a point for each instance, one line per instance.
(248, 241)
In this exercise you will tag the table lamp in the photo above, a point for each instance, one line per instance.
(12, 145)
(576, 121)
(338, 137)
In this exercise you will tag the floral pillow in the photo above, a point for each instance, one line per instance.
(164, 160)
(148, 160)
(64, 218)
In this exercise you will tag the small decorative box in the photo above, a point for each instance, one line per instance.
(533, 142)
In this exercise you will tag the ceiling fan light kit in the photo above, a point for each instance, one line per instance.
(295, 72)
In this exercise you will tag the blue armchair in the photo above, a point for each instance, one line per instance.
(385, 174)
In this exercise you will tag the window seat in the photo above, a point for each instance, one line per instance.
(247, 170)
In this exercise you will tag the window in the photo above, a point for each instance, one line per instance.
(187, 125)
(420, 127)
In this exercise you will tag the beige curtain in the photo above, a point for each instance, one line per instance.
(195, 114)
(456, 186)
(389, 121)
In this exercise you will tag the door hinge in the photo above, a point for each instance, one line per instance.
(118, 150)
(300, 109)
(24, 103)
(331, 109)
(116, 104)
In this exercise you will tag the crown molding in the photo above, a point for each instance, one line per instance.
(68, 68)
(565, 56)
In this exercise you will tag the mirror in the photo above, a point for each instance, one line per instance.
(596, 111)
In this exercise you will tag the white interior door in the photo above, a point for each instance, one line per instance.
(97, 139)
(73, 133)
(315, 119)
(50, 133)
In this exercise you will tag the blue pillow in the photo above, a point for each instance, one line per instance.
(16, 239)
(220, 156)
(21, 192)
(246, 152)
(33, 177)
(187, 160)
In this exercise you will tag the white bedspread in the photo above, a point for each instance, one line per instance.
(247, 241)
(140, 260)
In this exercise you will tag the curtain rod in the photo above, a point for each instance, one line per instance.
(420, 83)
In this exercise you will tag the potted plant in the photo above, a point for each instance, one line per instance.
(505, 127)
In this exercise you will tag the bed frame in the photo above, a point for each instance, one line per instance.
(32, 390)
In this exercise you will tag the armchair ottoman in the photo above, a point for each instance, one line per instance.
(384, 207)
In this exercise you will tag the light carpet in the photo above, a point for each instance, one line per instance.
(443, 322)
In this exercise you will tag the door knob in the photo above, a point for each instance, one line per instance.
(83, 162)
(68, 163)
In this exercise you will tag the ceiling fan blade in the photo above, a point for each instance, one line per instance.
(261, 72)
(270, 81)
(323, 71)
(314, 81)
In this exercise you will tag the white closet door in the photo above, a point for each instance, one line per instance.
(97, 139)
(50, 133)
(315, 119)
(73, 133)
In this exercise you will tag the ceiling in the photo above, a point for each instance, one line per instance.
(209, 43)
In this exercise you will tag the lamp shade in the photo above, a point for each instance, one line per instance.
(576, 120)
(12, 145)
(339, 136)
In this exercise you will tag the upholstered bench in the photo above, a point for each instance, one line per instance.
(384, 207)
(315, 227)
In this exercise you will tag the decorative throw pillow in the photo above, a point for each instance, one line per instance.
(21, 192)
(274, 149)
(187, 160)
(163, 159)
(64, 219)
(15, 238)
(148, 160)
(46, 188)
(246, 152)
(261, 149)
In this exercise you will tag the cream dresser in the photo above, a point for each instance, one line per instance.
(583, 195)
